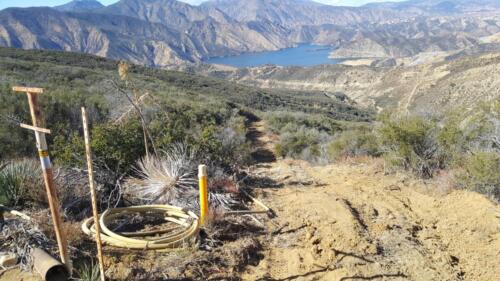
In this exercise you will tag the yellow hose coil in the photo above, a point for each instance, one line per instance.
(174, 237)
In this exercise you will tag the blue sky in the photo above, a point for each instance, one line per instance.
(30, 3)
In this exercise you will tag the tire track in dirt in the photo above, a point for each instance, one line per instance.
(353, 222)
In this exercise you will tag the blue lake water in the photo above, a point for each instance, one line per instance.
(302, 55)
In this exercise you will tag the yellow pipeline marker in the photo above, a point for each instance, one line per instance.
(202, 176)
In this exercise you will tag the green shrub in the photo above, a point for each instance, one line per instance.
(411, 142)
(216, 133)
(277, 121)
(116, 147)
(452, 137)
(355, 142)
(481, 172)
(61, 112)
(464, 131)
(302, 143)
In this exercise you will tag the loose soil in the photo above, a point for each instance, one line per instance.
(355, 221)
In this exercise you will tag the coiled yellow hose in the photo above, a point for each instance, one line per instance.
(183, 235)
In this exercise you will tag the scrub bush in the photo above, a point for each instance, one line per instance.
(411, 142)
(480, 172)
(355, 142)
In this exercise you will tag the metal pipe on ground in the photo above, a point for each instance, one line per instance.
(48, 267)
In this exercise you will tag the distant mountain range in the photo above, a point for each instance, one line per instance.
(80, 5)
(168, 32)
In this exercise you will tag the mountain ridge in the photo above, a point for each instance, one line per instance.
(79, 5)
(172, 32)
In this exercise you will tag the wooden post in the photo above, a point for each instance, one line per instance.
(48, 176)
(202, 175)
(93, 195)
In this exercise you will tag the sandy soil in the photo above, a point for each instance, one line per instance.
(18, 275)
(357, 62)
(353, 221)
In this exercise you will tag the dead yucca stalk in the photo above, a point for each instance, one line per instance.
(164, 179)
(124, 73)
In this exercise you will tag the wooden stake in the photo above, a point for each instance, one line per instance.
(48, 175)
(36, 129)
(88, 150)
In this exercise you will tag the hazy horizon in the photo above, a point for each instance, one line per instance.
(50, 3)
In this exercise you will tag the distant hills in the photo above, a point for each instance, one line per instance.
(163, 33)
(80, 5)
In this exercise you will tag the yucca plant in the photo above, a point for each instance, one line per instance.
(20, 180)
(163, 179)
(90, 272)
(171, 179)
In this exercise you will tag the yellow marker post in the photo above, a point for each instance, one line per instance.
(202, 176)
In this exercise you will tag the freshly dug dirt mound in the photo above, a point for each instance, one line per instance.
(353, 222)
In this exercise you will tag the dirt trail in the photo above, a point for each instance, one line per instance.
(354, 222)
(262, 141)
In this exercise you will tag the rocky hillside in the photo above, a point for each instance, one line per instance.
(298, 13)
(428, 87)
(441, 7)
(409, 38)
(164, 33)
(143, 41)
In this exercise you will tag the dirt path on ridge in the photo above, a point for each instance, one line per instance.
(262, 141)
(355, 222)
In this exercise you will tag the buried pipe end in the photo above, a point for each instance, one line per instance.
(57, 273)
(48, 267)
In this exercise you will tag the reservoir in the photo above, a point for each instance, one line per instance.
(302, 55)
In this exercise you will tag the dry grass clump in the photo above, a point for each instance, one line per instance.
(21, 237)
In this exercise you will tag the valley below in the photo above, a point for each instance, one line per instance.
(167, 33)
(429, 88)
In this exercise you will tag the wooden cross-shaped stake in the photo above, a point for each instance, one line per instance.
(48, 175)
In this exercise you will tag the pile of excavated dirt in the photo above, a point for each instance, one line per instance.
(354, 222)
